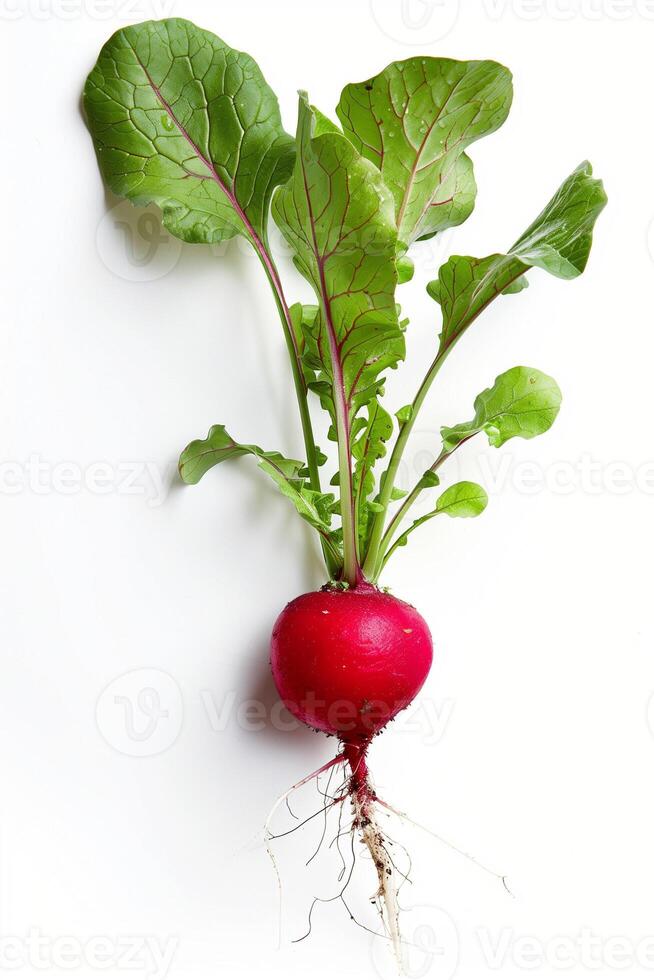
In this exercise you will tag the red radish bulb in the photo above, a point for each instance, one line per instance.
(347, 661)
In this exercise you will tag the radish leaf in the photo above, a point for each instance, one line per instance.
(202, 454)
(182, 120)
(463, 499)
(413, 121)
(522, 402)
(558, 241)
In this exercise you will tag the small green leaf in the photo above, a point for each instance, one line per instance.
(429, 479)
(202, 454)
(463, 499)
(398, 494)
(405, 269)
(559, 241)
(522, 402)
(516, 287)
(369, 446)
(404, 414)
(182, 120)
(414, 120)
(302, 317)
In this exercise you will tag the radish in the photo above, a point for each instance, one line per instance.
(345, 662)
(181, 120)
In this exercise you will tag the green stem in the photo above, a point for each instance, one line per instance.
(410, 500)
(351, 569)
(296, 367)
(407, 503)
(371, 565)
(332, 560)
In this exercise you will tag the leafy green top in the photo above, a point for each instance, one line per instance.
(182, 120)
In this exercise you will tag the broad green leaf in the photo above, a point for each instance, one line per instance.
(522, 402)
(338, 217)
(202, 454)
(559, 241)
(414, 120)
(463, 499)
(180, 119)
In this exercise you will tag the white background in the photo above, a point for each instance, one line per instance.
(119, 345)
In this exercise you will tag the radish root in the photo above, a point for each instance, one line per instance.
(363, 803)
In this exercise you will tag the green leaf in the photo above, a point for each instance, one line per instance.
(202, 454)
(368, 447)
(516, 287)
(302, 317)
(463, 499)
(323, 124)
(405, 268)
(522, 402)
(404, 414)
(559, 241)
(428, 479)
(180, 119)
(338, 217)
(414, 120)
